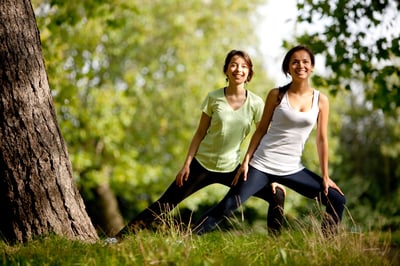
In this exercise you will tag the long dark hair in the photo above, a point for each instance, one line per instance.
(246, 58)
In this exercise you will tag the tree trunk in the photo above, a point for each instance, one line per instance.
(38, 195)
(109, 220)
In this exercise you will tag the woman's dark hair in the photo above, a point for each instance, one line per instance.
(246, 58)
(286, 60)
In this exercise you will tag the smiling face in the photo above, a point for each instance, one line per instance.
(300, 65)
(237, 70)
(302, 55)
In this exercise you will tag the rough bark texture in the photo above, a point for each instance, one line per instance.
(38, 195)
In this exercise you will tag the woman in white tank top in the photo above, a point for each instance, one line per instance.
(275, 150)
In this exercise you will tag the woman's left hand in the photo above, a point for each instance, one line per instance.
(328, 182)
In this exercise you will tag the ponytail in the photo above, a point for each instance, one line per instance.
(282, 91)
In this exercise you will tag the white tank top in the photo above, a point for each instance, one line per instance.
(280, 150)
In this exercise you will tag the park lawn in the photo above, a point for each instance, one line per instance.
(232, 247)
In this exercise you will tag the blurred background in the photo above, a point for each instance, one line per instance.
(128, 79)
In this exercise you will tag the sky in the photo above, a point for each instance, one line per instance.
(277, 24)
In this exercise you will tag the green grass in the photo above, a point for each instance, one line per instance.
(177, 246)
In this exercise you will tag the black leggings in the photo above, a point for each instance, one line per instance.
(199, 178)
(304, 182)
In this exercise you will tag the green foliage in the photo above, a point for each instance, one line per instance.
(217, 248)
(128, 78)
(359, 41)
(369, 169)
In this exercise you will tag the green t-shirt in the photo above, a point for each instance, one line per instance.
(219, 151)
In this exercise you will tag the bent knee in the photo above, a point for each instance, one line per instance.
(336, 197)
(279, 194)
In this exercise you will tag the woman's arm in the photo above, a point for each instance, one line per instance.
(322, 142)
(322, 134)
(199, 135)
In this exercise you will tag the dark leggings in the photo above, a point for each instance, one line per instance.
(199, 178)
(304, 182)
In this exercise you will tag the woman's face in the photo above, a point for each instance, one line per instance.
(238, 70)
(300, 65)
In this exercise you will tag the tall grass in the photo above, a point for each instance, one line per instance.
(171, 244)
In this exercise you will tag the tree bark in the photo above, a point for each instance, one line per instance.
(38, 195)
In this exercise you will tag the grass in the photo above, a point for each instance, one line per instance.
(175, 245)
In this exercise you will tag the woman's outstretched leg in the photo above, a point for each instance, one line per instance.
(199, 178)
(145, 219)
(235, 197)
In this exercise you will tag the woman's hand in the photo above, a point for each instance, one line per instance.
(242, 171)
(277, 185)
(328, 182)
(183, 175)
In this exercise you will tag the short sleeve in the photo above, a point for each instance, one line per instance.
(206, 106)
(258, 109)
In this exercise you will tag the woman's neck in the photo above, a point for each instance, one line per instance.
(300, 87)
(232, 89)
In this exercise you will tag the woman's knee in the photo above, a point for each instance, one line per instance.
(279, 196)
(336, 197)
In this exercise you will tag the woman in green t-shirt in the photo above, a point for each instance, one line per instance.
(214, 153)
